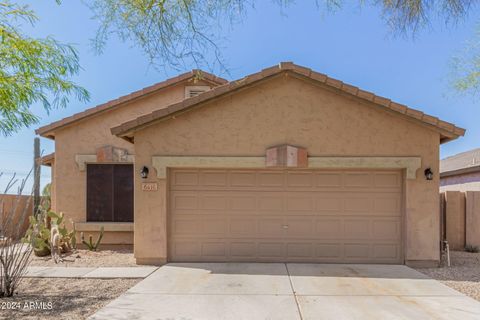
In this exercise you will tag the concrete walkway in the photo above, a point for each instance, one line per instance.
(254, 291)
(98, 272)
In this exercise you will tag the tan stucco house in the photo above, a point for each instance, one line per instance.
(286, 164)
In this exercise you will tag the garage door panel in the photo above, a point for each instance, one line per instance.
(331, 180)
(357, 251)
(216, 178)
(185, 226)
(299, 227)
(358, 179)
(186, 249)
(243, 202)
(245, 227)
(388, 179)
(356, 229)
(271, 179)
(300, 250)
(215, 226)
(209, 202)
(300, 180)
(386, 251)
(360, 204)
(214, 249)
(244, 179)
(271, 202)
(285, 215)
(329, 251)
(243, 249)
(328, 204)
(185, 178)
(328, 228)
(184, 201)
(299, 203)
(384, 229)
(267, 250)
(270, 228)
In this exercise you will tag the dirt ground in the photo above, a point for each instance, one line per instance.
(46, 298)
(85, 258)
(463, 274)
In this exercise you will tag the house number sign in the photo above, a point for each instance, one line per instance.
(149, 186)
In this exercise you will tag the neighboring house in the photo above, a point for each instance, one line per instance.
(285, 164)
(461, 172)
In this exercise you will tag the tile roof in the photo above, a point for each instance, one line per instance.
(47, 131)
(47, 159)
(468, 161)
(448, 131)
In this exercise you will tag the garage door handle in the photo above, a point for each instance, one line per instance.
(285, 226)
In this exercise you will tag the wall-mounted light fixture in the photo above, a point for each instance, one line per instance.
(144, 172)
(428, 174)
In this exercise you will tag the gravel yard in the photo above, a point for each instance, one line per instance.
(46, 298)
(463, 274)
(85, 258)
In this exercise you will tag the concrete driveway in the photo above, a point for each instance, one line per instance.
(254, 291)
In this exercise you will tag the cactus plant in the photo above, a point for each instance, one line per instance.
(68, 240)
(38, 235)
(90, 245)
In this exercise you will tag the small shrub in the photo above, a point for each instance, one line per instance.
(14, 253)
(91, 246)
(471, 248)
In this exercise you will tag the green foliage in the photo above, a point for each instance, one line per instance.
(68, 239)
(170, 32)
(466, 68)
(471, 248)
(32, 70)
(174, 33)
(38, 235)
(90, 245)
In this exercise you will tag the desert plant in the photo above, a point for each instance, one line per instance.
(471, 248)
(14, 253)
(38, 235)
(90, 245)
(67, 238)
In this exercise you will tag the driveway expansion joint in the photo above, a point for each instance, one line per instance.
(294, 293)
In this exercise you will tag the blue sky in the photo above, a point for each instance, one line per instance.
(352, 44)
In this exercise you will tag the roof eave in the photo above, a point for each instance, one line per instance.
(48, 131)
(460, 171)
(447, 130)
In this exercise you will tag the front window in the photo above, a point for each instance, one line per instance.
(110, 192)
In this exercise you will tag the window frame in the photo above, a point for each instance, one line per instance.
(115, 217)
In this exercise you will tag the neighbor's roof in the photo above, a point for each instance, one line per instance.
(47, 131)
(465, 162)
(448, 131)
(47, 160)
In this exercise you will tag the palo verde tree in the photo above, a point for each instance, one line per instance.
(32, 70)
(179, 33)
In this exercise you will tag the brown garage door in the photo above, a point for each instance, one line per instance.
(279, 215)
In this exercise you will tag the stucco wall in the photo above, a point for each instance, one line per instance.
(69, 194)
(288, 110)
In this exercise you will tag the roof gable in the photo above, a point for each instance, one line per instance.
(448, 131)
(48, 130)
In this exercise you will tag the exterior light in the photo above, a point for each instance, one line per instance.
(144, 172)
(428, 174)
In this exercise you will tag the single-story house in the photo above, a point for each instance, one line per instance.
(286, 164)
(461, 172)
